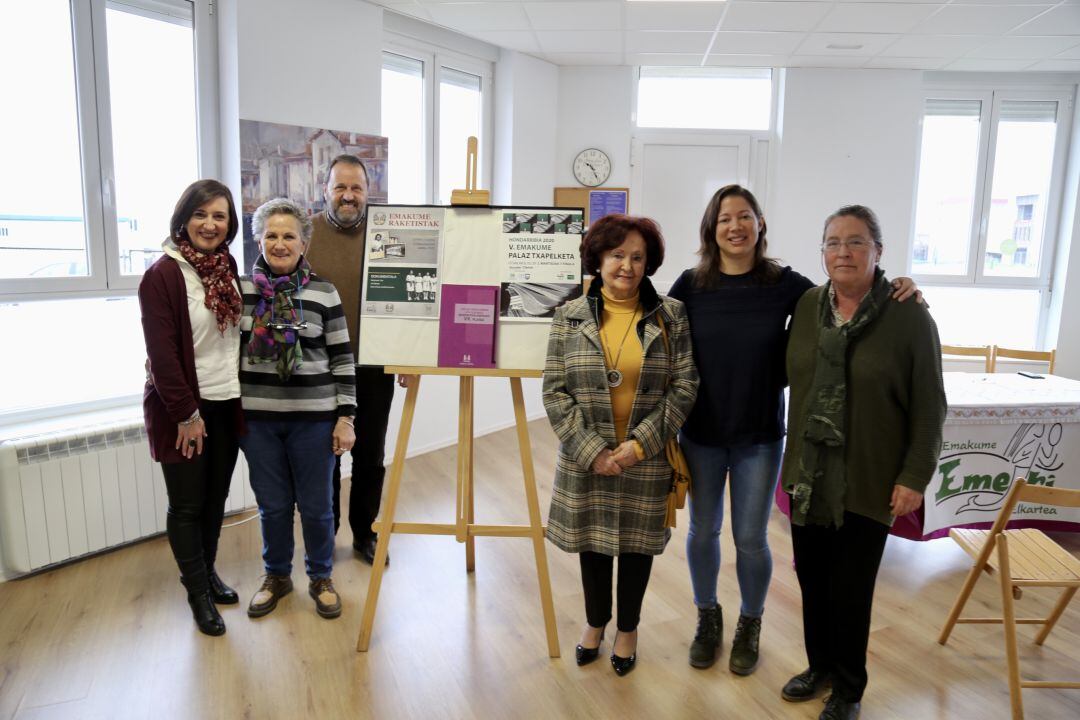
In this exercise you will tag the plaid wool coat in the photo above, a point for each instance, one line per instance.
(624, 513)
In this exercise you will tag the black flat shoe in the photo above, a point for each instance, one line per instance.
(586, 655)
(221, 593)
(623, 665)
(807, 685)
(206, 615)
(366, 550)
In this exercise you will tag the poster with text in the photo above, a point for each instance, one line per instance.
(541, 263)
(977, 466)
(401, 272)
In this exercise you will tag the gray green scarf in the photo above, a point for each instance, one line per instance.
(818, 497)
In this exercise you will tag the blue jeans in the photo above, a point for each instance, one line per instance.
(753, 471)
(291, 465)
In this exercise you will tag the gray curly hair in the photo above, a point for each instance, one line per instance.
(281, 206)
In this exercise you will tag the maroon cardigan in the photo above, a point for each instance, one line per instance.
(171, 393)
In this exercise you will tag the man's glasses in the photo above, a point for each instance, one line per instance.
(854, 245)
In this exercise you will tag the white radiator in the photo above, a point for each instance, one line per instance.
(70, 493)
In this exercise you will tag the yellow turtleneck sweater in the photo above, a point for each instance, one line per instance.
(619, 321)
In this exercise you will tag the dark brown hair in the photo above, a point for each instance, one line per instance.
(859, 212)
(766, 270)
(610, 232)
(194, 197)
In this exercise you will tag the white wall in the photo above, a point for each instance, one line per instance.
(526, 115)
(286, 72)
(1063, 331)
(595, 106)
(848, 136)
(315, 63)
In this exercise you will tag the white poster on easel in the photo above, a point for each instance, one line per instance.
(401, 272)
(541, 264)
(531, 255)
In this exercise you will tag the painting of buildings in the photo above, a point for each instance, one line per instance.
(292, 161)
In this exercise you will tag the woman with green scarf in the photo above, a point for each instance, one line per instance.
(864, 431)
(299, 399)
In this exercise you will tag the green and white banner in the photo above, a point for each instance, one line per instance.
(1000, 427)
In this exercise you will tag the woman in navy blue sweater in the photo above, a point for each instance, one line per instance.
(738, 301)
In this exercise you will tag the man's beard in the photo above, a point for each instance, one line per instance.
(351, 216)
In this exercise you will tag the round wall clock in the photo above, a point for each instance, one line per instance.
(592, 167)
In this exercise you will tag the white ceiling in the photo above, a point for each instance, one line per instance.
(990, 35)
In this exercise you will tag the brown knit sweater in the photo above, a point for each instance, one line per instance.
(338, 256)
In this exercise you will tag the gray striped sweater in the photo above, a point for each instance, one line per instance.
(323, 386)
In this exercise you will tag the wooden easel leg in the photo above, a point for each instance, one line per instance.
(382, 548)
(1009, 622)
(470, 504)
(542, 576)
(460, 531)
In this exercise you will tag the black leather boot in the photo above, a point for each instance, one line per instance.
(221, 593)
(206, 613)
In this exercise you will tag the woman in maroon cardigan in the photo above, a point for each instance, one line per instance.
(191, 305)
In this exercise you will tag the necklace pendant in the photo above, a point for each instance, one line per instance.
(614, 378)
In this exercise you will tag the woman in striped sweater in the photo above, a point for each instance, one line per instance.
(296, 383)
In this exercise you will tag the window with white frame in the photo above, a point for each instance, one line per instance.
(432, 101)
(986, 211)
(705, 98)
(92, 170)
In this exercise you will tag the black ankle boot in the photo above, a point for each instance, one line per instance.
(205, 613)
(221, 593)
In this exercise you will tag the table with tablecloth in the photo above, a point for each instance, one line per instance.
(998, 427)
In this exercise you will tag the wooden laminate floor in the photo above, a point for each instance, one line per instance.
(112, 637)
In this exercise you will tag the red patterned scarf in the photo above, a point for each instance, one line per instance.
(218, 280)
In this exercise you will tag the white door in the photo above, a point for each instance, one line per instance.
(673, 177)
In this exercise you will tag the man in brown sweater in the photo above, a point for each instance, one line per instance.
(337, 254)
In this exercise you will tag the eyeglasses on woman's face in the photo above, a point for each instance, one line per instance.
(856, 244)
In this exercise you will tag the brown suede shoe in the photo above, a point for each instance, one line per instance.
(265, 599)
(327, 602)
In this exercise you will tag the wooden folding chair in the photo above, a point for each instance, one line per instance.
(1047, 356)
(984, 351)
(1024, 558)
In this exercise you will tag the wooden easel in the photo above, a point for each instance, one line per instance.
(464, 528)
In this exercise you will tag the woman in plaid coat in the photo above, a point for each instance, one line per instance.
(619, 382)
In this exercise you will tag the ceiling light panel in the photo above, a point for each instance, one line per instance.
(775, 16)
(467, 17)
(1062, 20)
(668, 42)
(844, 44)
(568, 41)
(755, 43)
(929, 46)
(574, 15)
(864, 17)
(978, 19)
(661, 16)
(1020, 48)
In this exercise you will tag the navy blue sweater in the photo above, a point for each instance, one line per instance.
(739, 330)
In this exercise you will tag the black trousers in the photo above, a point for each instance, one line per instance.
(197, 491)
(634, 570)
(374, 395)
(837, 569)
